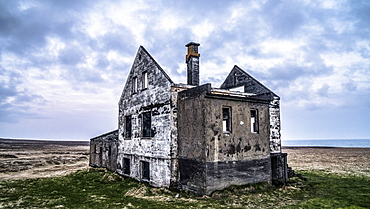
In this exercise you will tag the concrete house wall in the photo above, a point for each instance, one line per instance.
(239, 78)
(211, 159)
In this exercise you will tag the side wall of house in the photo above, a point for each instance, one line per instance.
(149, 156)
(103, 151)
(237, 78)
(238, 156)
(191, 140)
(211, 158)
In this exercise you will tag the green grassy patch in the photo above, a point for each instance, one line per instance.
(98, 188)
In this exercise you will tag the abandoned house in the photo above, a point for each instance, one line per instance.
(191, 136)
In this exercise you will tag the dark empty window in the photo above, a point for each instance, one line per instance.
(126, 166)
(128, 131)
(145, 170)
(226, 119)
(147, 124)
(254, 121)
(110, 152)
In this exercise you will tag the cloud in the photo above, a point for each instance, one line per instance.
(14, 99)
(65, 56)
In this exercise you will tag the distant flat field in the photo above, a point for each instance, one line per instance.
(355, 161)
(21, 159)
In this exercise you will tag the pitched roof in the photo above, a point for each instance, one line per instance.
(238, 77)
(155, 62)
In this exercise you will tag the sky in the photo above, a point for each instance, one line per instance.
(63, 64)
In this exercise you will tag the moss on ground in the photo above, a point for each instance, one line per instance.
(98, 188)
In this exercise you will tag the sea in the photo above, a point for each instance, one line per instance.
(352, 143)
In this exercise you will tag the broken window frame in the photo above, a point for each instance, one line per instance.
(126, 166)
(134, 85)
(254, 121)
(145, 170)
(226, 119)
(146, 124)
(144, 81)
(128, 127)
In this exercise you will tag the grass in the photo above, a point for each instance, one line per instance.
(98, 188)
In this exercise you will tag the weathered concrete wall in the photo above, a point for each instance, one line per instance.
(237, 78)
(211, 159)
(155, 99)
(191, 139)
(240, 156)
(240, 143)
(103, 151)
(175, 89)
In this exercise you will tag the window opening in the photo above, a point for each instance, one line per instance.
(147, 124)
(145, 170)
(126, 166)
(128, 131)
(101, 156)
(254, 121)
(109, 152)
(134, 85)
(145, 80)
(226, 119)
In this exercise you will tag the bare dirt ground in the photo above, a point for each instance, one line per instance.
(21, 159)
(355, 161)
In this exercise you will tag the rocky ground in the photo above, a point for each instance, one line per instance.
(20, 159)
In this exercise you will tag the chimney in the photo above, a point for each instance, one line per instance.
(192, 61)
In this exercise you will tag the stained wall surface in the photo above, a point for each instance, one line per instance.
(210, 158)
(239, 78)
